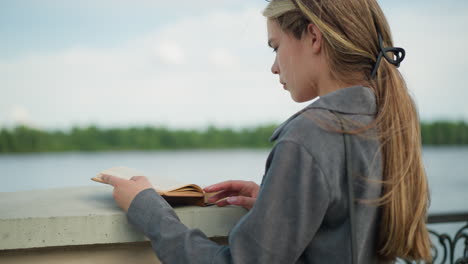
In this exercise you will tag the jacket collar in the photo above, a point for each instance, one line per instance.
(357, 100)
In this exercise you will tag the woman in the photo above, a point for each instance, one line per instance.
(340, 54)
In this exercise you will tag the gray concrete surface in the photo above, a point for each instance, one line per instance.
(88, 215)
(134, 253)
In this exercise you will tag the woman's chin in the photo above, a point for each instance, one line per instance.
(296, 99)
(302, 97)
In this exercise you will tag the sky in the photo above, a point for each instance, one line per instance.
(190, 64)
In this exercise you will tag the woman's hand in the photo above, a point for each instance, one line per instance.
(241, 193)
(126, 190)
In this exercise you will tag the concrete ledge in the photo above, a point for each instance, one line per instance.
(135, 253)
(86, 216)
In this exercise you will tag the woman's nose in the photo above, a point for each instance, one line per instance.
(274, 67)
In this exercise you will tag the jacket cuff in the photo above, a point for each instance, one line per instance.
(148, 207)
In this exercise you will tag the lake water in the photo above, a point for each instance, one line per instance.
(446, 168)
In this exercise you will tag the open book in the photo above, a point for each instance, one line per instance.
(174, 192)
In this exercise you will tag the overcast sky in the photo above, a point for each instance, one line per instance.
(189, 64)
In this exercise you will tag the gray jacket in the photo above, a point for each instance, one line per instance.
(301, 212)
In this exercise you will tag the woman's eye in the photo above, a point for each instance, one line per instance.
(275, 50)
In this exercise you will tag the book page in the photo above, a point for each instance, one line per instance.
(161, 184)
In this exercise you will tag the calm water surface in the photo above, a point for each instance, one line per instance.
(445, 166)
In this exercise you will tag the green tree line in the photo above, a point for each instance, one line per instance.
(92, 138)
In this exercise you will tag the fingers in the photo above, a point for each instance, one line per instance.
(222, 202)
(112, 180)
(226, 185)
(142, 181)
(218, 186)
(243, 201)
(222, 195)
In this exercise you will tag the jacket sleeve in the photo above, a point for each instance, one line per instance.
(291, 204)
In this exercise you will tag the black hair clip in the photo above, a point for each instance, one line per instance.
(399, 53)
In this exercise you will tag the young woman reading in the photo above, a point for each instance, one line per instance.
(340, 54)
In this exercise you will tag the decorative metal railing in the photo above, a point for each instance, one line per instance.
(444, 245)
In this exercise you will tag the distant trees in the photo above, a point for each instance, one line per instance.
(92, 138)
(445, 133)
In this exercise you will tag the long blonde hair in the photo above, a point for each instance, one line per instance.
(350, 30)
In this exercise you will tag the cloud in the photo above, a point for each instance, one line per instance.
(434, 66)
(170, 52)
(212, 69)
(223, 58)
(191, 73)
(18, 115)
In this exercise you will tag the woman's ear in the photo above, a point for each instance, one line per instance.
(314, 37)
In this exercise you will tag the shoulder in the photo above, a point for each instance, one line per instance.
(309, 131)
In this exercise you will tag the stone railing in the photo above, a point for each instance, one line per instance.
(84, 225)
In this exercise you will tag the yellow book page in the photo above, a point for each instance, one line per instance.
(163, 185)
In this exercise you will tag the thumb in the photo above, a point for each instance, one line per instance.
(246, 202)
(138, 178)
(112, 180)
